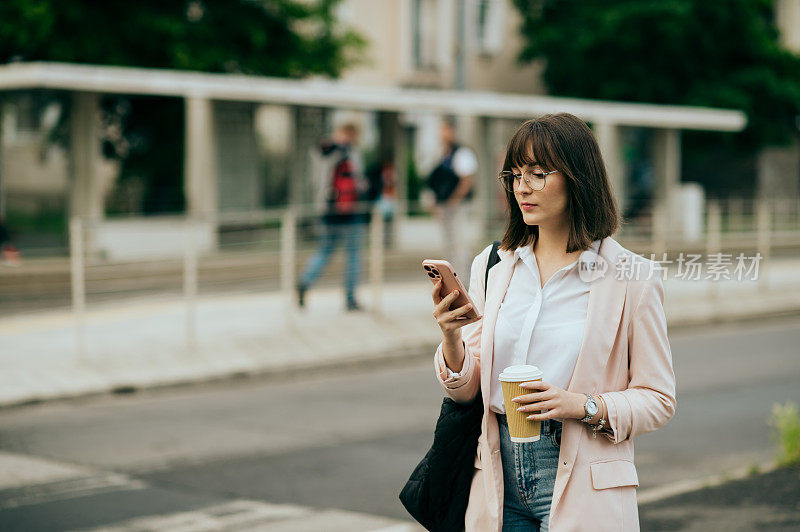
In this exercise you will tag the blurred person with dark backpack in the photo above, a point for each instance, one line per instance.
(452, 184)
(339, 189)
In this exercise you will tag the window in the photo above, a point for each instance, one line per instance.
(424, 36)
(489, 25)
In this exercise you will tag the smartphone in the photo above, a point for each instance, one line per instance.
(441, 269)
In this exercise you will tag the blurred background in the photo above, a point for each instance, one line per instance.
(160, 181)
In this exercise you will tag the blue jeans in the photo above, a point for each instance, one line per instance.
(529, 474)
(350, 234)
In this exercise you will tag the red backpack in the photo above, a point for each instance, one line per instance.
(344, 194)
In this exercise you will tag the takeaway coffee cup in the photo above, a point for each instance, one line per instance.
(520, 428)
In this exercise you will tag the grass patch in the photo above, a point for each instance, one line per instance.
(785, 422)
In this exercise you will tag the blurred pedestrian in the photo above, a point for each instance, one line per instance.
(452, 182)
(339, 189)
(10, 254)
(383, 192)
(554, 301)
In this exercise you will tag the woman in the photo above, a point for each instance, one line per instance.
(569, 299)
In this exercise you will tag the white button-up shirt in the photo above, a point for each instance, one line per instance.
(541, 326)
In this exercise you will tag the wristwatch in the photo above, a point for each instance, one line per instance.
(590, 407)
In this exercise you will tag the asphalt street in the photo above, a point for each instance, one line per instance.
(344, 441)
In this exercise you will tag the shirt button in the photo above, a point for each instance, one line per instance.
(496, 451)
(565, 463)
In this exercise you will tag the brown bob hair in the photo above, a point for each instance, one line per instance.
(565, 143)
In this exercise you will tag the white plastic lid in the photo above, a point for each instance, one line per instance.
(519, 373)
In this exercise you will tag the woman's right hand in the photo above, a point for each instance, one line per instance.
(450, 321)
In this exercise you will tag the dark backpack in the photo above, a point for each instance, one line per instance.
(443, 180)
(437, 493)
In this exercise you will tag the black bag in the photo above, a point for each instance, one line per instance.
(443, 180)
(437, 493)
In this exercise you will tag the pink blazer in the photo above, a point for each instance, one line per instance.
(625, 356)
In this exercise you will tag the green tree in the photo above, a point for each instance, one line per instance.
(284, 38)
(720, 53)
(289, 38)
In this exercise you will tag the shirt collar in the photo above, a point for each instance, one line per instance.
(589, 255)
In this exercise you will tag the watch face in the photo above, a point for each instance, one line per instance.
(591, 408)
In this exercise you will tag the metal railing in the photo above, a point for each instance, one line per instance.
(266, 260)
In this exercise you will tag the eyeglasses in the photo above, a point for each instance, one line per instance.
(535, 180)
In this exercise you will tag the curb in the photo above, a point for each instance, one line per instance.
(411, 353)
(659, 493)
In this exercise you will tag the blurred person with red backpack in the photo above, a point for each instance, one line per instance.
(339, 189)
(9, 252)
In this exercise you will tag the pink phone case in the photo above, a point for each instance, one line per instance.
(436, 269)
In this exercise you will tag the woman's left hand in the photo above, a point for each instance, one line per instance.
(558, 403)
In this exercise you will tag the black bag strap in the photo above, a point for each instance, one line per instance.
(494, 258)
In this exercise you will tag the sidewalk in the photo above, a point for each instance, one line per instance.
(763, 501)
(144, 343)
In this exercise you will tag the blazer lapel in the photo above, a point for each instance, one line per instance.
(606, 301)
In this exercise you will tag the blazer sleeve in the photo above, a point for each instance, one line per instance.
(464, 386)
(649, 401)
